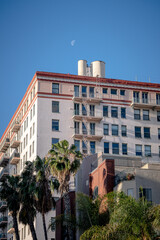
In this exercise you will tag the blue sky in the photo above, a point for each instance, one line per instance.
(37, 35)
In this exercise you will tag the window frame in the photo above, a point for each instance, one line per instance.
(56, 110)
(55, 88)
(54, 128)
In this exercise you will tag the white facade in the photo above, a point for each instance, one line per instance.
(96, 114)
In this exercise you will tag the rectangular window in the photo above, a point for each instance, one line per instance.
(76, 91)
(55, 140)
(106, 147)
(138, 132)
(105, 111)
(84, 91)
(55, 107)
(158, 98)
(146, 132)
(92, 147)
(33, 147)
(146, 193)
(76, 127)
(137, 115)
(130, 192)
(31, 115)
(122, 92)
(84, 129)
(26, 157)
(105, 90)
(136, 97)
(144, 97)
(106, 129)
(158, 116)
(158, 133)
(91, 92)
(84, 110)
(159, 151)
(145, 115)
(114, 130)
(114, 112)
(26, 139)
(55, 125)
(76, 108)
(138, 150)
(30, 132)
(92, 110)
(33, 109)
(92, 128)
(147, 150)
(55, 88)
(114, 91)
(115, 148)
(123, 112)
(30, 150)
(84, 147)
(77, 144)
(124, 149)
(33, 128)
(124, 131)
(24, 143)
(27, 122)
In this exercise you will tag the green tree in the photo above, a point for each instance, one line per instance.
(64, 161)
(27, 212)
(9, 191)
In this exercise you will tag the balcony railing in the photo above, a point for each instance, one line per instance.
(15, 158)
(88, 97)
(3, 221)
(15, 142)
(10, 228)
(88, 134)
(5, 145)
(4, 173)
(92, 116)
(145, 103)
(4, 160)
(16, 126)
(3, 206)
(3, 236)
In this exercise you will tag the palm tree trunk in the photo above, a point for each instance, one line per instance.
(44, 226)
(33, 232)
(15, 225)
(67, 206)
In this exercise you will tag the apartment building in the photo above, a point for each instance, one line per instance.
(118, 118)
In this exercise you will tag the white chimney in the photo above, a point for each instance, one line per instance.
(97, 68)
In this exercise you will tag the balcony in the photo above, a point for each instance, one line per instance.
(3, 206)
(90, 135)
(87, 116)
(3, 221)
(4, 160)
(15, 158)
(4, 173)
(5, 145)
(95, 98)
(3, 236)
(15, 142)
(10, 228)
(16, 126)
(145, 103)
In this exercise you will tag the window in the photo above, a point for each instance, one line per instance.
(84, 91)
(52, 226)
(55, 140)
(124, 149)
(76, 127)
(158, 116)
(124, 131)
(84, 147)
(105, 111)
(114, 91)
(105, 90)
(146, 132)
(55, 107)
(136, 97)
(92, 147)
(77, 144)
(30, 132)
(114, 112)
(76, 91)
(122, 92)
(137, 115)
(33, 109)
(55, 88)
(33, 128)
(158, 133)
(146, 193)
(84, 110)
(130, 192)
(92, 110)
(91, 92)
(106, 129)
(145, 114)
(147, 150)
(115, 148)
(30, 150)
(144, 97)
(76, 108)
(33, 147)
(158, 98)
(24, 143)
(138, 150)
(31, 115)
(55, 125)
(92, 128)
(106, 147)
(24, 125)
(84, 129)
(159, 151)
(26, 139)
(138, 132)
(123, 112)
(27, 122)
(114, 130)
(26, 156)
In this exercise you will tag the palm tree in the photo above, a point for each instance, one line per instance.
(9, 191)
(27, 189)
(64, 161)
(44, 201)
